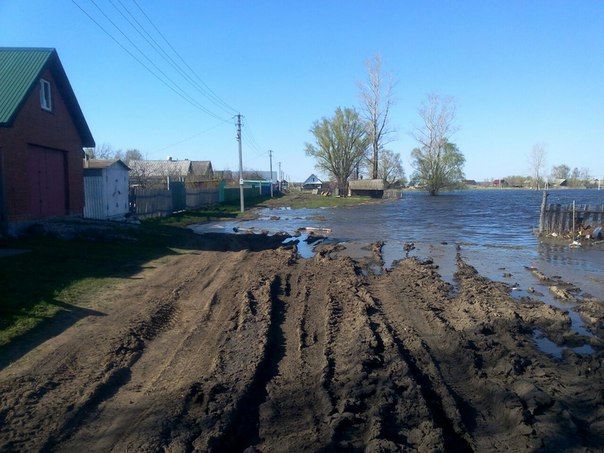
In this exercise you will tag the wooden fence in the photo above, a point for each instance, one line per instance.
(145, 203)
(561, 219)
(198, 198)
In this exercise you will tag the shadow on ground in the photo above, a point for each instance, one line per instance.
(40, 290)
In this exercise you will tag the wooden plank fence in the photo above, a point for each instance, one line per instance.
(145, 203)
(561, 219)
(199, 198)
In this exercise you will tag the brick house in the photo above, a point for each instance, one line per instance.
(42, 136)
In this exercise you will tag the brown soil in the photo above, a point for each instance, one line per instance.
(233, 348)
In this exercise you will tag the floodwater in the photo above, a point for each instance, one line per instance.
(494, 229)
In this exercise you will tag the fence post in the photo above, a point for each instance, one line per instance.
(574, 215)
(542, 214)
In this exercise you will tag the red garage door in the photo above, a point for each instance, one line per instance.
(47, 182)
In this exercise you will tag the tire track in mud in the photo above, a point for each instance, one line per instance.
(506, 392)
(266, 350)
(297, 405)
(124, 350)
(243, 431)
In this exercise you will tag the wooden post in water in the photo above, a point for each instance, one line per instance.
(542, 214)
(574, 219)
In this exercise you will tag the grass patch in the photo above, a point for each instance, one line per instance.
(298, 200)
(55, 275)
(222, 211)
(63, 276)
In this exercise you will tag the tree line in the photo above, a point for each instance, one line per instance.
(353, 142)
(540, 178)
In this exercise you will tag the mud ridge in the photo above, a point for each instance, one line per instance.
(243, 426)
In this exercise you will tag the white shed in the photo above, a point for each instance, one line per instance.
(105, 189)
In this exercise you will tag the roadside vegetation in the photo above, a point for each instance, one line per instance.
(298, 200)
(55, 275)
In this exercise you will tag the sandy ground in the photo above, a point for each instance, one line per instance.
(248, 345)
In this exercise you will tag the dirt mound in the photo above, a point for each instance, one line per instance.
(231, 348)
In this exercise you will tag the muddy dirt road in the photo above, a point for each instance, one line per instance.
(251, 346)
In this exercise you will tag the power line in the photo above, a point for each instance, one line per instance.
(151, 62)
(180, 93)
(141, 30)
(218, 99)
(189, 138)
(253, 145)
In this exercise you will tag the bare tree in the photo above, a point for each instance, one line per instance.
(377, 98)
(341, 143)
(438, 163)
(390, 168)
(537, 160)
(102, 151)
(132, 154)
(560, 171)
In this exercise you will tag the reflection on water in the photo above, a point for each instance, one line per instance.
(549, 347)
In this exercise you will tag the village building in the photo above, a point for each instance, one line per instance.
(42, 136)
(161, 173)
(500, 183)
(559, 182)
(373, 188)
(105, 189)
(312, 182)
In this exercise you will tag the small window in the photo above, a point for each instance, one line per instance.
(45, 97)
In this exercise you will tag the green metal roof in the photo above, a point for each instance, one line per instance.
(20, 69)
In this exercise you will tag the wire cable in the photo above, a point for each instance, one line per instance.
(218, 99)
(142, 31)
(180, 93)
(189, 138)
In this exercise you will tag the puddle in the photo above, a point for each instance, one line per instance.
(443, 255)
(514, 273)
(305, 250)
(546, 345)
(550, 348)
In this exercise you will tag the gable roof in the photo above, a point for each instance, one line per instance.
(312, 179)
(366, 184)
(20, 70)
(201, 167)
(103, 163)
(162, 168)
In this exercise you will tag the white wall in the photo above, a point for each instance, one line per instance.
(116, 190)
(106, 195)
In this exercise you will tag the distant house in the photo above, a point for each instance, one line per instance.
(226, 175)
(470, 182)
(42, 136)
(164, 172)
(500, 183)
(559, 182)
(373, 188)
(232, 177)
(105, 189)
(312, 182)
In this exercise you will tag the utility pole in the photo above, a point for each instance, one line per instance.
(280, 178)
(242, 204)
(270, 156)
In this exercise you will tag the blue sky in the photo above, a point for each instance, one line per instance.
(520, 72)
